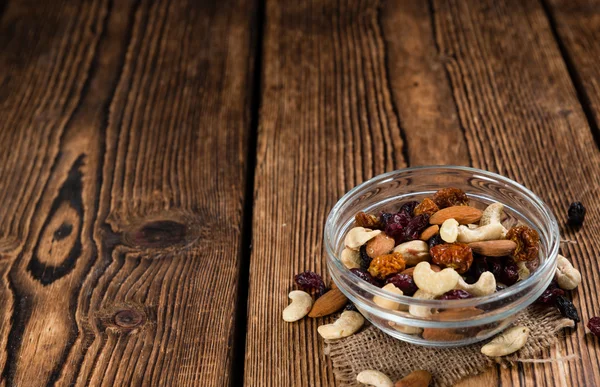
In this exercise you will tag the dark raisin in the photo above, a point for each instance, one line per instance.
(435, 240)
(414, 228)
(510, 273)
(567, 308)
(500, 287)
(395, 224)
(350, 306)
(478, 267)
(549, 295)
(365, 260)
(385, 218)
(576, 214)
(404, 282)
(495, 266)
(364, 275)
(456, 294)
(594, 326)
(409, 207)
(309, 280)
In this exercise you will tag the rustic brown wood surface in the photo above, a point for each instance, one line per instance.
(145, 144)
(479, 83)
(123, 163)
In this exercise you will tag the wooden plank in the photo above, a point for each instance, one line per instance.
(487, 77)
(327, 122)
(577, 26)
(522, 119)
(124, 139)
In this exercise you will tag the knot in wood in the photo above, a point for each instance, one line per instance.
(128, 318)
(158, 234)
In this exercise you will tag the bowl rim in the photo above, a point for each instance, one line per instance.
(554, 241)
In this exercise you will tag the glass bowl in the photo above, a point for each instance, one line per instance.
(459, 327)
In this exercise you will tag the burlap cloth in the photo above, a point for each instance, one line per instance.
(372, 349)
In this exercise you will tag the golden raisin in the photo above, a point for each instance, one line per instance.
(448, 197)
(367, 221)
(528, 243)
(387, 265)
(427, 206)
(455, 255)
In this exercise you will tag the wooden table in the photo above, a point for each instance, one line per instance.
(166, 167)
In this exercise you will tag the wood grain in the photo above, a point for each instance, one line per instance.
(327, 122)
(124, 142)
(576, 24)
(486, 78)
(517, 102)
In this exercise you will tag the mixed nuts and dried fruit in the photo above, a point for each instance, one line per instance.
(439, 248)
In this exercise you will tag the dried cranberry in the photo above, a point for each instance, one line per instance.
(594, 326)
(510, 273)
(364, 275)
(456, 294)
(409, 207)
(576, 214)
(566, 307)
(365, 260)
(309, 280)
(350, 306)
(414, 228)
(404, 282)
(435, 240)
(549, 295)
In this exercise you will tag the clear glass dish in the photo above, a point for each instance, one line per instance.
(386, 193)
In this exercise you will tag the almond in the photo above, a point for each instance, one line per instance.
(442, 334)
(457, 314)
(462, 214)
(429, 232)
(419, 378)
(433, 267)
(380, 245)
(328, 303)
(497, 248)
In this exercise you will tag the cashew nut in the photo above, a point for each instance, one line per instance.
(523, 271)
(358, 236)
(434, 283)
(488, 232)
(413, 252)
(387, 303)
(348, 323)
(350, 258)
(299, 307)
(421, 311)
(566, 275)
(374, 378)
(407, 329)
(485, 285)
(508, 342)
(492, 214)
(449, 230)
